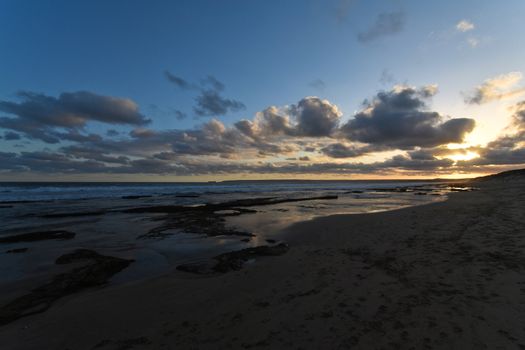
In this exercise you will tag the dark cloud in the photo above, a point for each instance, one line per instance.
(179, 115)
(271, 122)
(387, 78)
(210, 138)
(211, 103)
(46, 162)
(519, 116)
(318, 84)
(86, 153)
(399, 119)
(212, 82)
(163, 164)
(74, 109)
(385, 24)
(409, 163)
(10, 136)
(38, 116)
(315, 117)
(112, 132)
(75, 136)
(341, 150)
(497, 156)
(178, 81)
(310, 117)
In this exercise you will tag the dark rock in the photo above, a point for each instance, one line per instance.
(125, 344)
(187, 196)
(97, 272)
(17, 250)
(209, 218)
(74, 214)
(211, 207)
(233, 261)
(136, 197)
(271, 241)
(460, 189)
(37, 236)
(77, 255)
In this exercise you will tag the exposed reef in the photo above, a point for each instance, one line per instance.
(233, 261)
(96, 272)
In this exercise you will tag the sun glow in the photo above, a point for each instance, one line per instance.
(468, 155)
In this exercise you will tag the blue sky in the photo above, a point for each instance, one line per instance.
(265, 53)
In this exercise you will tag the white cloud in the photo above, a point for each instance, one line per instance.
(497, 88)
(473, 42)
(464, 25)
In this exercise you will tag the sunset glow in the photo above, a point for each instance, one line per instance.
(367, 93)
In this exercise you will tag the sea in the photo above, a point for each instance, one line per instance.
(42, 206)
(53, 191)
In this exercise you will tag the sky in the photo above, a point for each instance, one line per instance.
(216, 90)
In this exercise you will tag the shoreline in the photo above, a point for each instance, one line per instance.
(443, 275)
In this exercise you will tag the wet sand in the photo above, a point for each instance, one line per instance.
(447, 275)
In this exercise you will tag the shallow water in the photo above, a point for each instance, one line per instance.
(116, 233)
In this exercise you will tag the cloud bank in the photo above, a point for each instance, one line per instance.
(310, 136)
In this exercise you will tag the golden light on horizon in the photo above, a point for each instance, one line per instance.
(468, 155)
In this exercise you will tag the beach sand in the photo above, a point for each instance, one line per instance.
(447, 275)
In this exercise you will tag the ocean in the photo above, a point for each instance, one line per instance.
(97, 213)
(51, 191)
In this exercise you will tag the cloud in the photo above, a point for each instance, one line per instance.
(519, 116)
(507, 149)
(315, 117)
(343, 9)
(500, 87)
(38, 115)
(386, 24)
(387, 78)
(211, 103)
(46, 162)
(178, 81)
(394, 119)
(400, 119)
(271, 121)
(342, 150)
(179, 115)
(464, 26)
(212, 82)
(11, 136)
(318, 84)
(473, 42)
(74, 109)
(310, 117)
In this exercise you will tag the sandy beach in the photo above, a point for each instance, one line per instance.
(447, 275)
